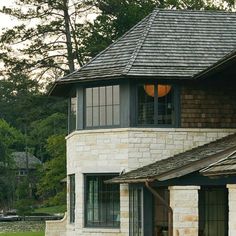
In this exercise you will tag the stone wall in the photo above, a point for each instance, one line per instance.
(208, 107)
(184, 202)
(232, 209)
(115, 150)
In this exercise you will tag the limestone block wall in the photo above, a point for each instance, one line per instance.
(56, 227)
(184, 202)
(115, 150)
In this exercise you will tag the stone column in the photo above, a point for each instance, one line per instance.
(184, 202)
(232, 209)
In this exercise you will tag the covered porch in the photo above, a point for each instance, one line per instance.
(191, 193)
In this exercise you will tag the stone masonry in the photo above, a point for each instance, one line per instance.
(184, 202)
(124, 149)
(232, 209)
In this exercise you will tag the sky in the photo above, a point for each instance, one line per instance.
(6, 21)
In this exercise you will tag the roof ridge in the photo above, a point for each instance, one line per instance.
(134, 55)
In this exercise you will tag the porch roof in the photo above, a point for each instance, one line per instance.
(167, 44)
(183, 163)
(226, 166)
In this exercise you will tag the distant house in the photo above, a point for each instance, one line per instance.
(24, 162)
(152, 131)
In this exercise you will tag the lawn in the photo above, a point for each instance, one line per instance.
(51, 210)
(41, 233)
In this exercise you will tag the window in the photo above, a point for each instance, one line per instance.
(72, 198)
(72, 113)
(213, 211)
(155, 104)
(102, 202)
(135, 211)
(103, 106)
(161, 212)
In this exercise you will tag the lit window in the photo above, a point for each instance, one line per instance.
(155, 104)
(102, 202)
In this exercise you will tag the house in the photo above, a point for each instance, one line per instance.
(24, 163)
(152, 131)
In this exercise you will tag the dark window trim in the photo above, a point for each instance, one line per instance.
(112, 174)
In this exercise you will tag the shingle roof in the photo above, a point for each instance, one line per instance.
(20, 159)
(166, 44)
(183, 163)
(226, 166)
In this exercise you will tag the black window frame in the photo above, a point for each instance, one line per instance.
(175, 103)
(72, 198)
(99, 106)
(88, 224)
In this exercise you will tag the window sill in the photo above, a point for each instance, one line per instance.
(101, 230)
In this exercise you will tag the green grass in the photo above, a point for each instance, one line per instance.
(51, 210)
(23, 234)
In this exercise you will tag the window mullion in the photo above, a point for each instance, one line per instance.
(156, 103)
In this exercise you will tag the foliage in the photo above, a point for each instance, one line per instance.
(24, 207)
(49, 44)
(53, 171)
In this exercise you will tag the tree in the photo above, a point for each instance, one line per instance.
(10, 140)
(46, 37)
(54, 170)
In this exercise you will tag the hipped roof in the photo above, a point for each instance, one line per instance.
(181, 164)
(20, 160)
(167, 44)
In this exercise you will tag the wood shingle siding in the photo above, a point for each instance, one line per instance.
(208, 107)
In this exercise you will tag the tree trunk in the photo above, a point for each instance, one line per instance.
(70, 56)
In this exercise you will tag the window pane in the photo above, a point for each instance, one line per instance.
(102, 202)
(89, 97)
(100, 110)
(102, 96)
(95, 97)
(109, 95)
(165, 104)
(72, 115)
(102, 116)
(116, 115)
(116, 94)
(95, 116)
(145, 104)
(109, 115)
(89, 116)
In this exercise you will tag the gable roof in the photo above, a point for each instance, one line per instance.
(181, 164)
(166, 44)
(20, 159)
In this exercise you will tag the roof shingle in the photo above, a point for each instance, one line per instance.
(166, 44)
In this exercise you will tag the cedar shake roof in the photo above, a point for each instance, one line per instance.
(181, 164)
(20, 160)
(226, 166)
(167, 44)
